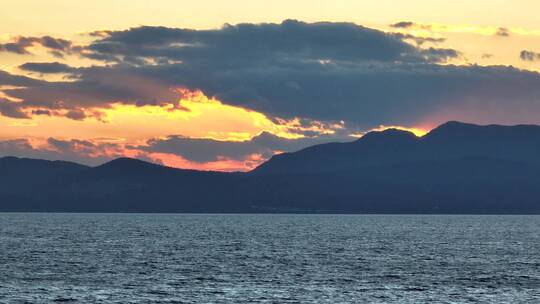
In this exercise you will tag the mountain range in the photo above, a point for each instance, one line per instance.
(454, 169)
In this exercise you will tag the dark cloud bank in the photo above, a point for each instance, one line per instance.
(325, 71)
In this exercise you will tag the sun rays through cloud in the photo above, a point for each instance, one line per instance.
(123, 130)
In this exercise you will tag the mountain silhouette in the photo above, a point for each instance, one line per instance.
(448, 142)
(455, 168)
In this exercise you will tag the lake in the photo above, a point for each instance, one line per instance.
(189, 258)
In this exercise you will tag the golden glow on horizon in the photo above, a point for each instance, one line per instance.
(121, 128)
(222, 164)
(124, 126)
(195, 115)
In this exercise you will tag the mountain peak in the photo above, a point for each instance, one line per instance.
(454, 130)
(456, 124)
(127, 163)
(391, 134)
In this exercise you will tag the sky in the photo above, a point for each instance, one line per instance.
(224, 85)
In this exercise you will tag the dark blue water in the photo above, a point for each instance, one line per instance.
(136, 258)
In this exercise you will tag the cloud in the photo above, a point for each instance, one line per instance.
(12, 109)
(320, 71)
(41, 112)
(502, 32)
(419, 40)
(529, 56)
(231, 62)
(256, 43)
(403, 24)
(56, 46)
(47, 67)
(14, 147)
(96, 87)
(440, 53)
(207, 150)
(79, 151)
(7, 79)
(76, 114)
(178, 151)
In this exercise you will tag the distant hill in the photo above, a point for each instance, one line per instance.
(456, 168)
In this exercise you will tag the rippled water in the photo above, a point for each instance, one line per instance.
(146, 258)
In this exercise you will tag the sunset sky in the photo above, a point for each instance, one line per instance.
(224, 85)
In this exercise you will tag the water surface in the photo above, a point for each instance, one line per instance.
(156, 258)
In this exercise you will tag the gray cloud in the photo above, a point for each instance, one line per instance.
(421, 40)
(322, 71)
(206, 150)
(7, 79)
(79, 151)
(403, 24)
(94, 87)
(56, 46)
(16, 48)
(529, 56)
(47, 67)
(441, 53)
(42, 112)
(15, 147)
(150, 60)
(76, 114)
(11, 109)
(257, 43)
